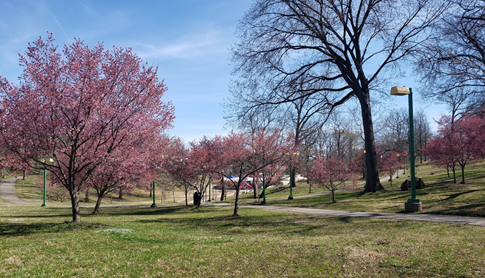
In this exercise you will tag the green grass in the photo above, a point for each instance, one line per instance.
(440, 196)
(185, 242)
(180, 241)
(31, 190)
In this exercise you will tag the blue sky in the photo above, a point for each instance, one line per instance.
(189, 40)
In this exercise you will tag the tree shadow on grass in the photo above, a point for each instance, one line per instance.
(453, 196)
(143, 210)
(465, 210)
(249, 225)
(24, 229)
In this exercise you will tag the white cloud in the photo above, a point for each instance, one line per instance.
(208, 43)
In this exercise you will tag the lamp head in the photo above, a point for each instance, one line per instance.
(399, 91)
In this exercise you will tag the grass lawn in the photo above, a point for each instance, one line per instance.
(440, 196)
(31, 190)
(181, 241)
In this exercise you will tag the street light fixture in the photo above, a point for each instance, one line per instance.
(45, 179)
(413, 204)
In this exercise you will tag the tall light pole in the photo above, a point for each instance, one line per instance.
(44, 203)
(413, 203)
(153, 204)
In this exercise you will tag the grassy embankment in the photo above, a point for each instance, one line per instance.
(441, 195)
(181, 241)
(31, 190)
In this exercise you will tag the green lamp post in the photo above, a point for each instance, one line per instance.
(153, 204)
(44, 203)
(413, 203)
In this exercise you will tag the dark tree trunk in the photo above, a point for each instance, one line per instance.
(98, 204)
(223, 192)
(236, 207)
(373, 182)
(454, 174)
(333, 196)
(86, 195)
(24, 174)
(120, 195)
(76, 215)
(462, 174)
(255, 188)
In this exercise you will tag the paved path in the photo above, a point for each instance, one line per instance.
(475, 221)
(7, 192)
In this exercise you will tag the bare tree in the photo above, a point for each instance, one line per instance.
(453, 61)
(394, 134)
(422, 133)
(341, 48)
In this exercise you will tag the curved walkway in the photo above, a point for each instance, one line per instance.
(465, 220)
(7, 192)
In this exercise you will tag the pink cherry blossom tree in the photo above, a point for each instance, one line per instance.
(331, 173)
(125, 167)
(242, 156)
(204, 161)
(388, 162)
(194, 167)
(77, 106)
(177, 167)
(458, 142)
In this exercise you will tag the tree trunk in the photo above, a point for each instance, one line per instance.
(98, 204)
(373, 182)
(198, 201)
(24, 174)
(454, 174)
(236, 208)
(255, 188)
(223, 191)
(186, 198)
(462, 174)
(120, 195)
(333, 196)
(310, 187)
(76, 215)
(86, 195)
